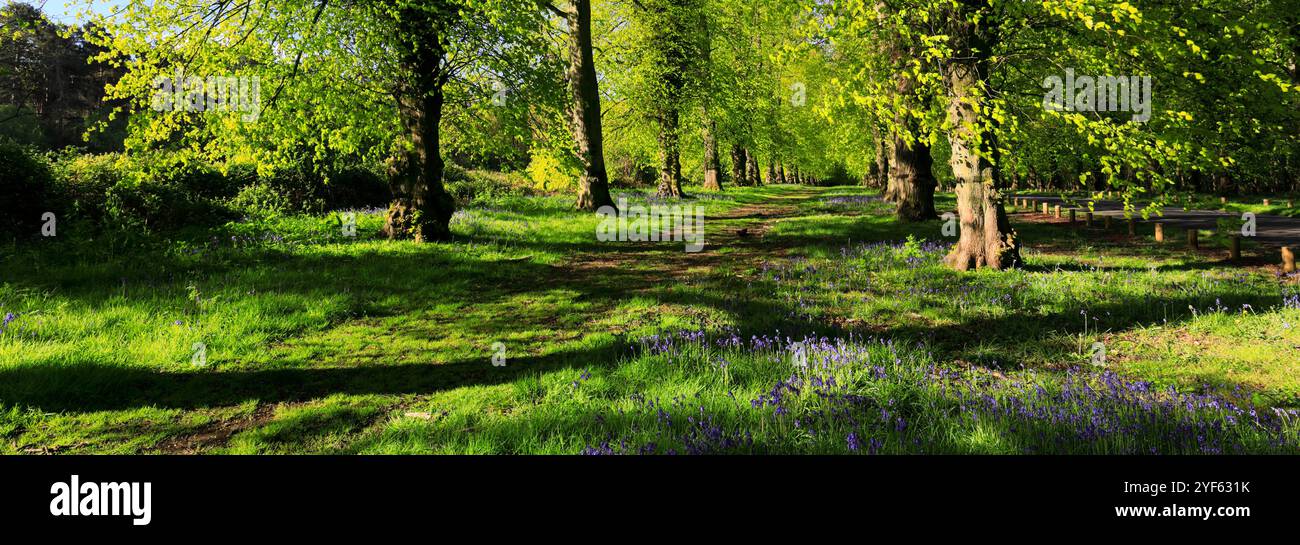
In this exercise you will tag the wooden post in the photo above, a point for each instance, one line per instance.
(1044, 209)
(1132, 227)
(1160, 232)
(1071, 216)
(1192, 242)
(1266, 203)
(1288, 260)
(1107, 221)
(1087, 218)
(1058, 211)
(1223, 200)
(1234, 247)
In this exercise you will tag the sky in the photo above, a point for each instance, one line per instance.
(65, 11)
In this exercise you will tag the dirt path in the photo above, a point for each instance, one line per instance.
(745, 240)
(639, 267)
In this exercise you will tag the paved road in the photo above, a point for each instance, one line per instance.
(1270, 230)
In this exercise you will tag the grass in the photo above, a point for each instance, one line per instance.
(319, 343)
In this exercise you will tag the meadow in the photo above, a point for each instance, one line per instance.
(813, 322)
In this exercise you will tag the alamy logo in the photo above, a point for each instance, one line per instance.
(78, 499)
(639, 223)
(1099, 94)
(211, 94)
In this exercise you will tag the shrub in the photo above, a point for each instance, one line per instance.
(155, 204)
(186, 175)
(25, 180)
(261, 200)
(479, 186)
(552, 172)
(357, 187)
(82, 183)
(153, 192)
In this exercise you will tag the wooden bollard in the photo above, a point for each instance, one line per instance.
(1160, 232)
(1044, 209)
(1267, 203)
(1290, 203)
(1058, 211)
(1107, 222)
(1192, 241)
(1087, 218)
(1132, 227)
(1223, 200)
(1288, 260)
(1071, 216)
(1234, 247)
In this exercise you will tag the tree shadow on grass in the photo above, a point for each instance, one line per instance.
(407, 283)
(88, 386)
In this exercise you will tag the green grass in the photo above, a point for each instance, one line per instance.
(320, 343)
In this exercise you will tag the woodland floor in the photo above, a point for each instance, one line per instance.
(328, 345)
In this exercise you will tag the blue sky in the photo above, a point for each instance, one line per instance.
(59, 10)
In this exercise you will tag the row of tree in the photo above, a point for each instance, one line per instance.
(900, 94)
(50, 93)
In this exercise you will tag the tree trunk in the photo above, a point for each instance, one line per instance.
(780, 174)
(987, 239)
(751, 168)
(584, 111)
(712, 162)
(421, 208)
(912, 180)
(878, 172)
(738, 165)
(670, 165)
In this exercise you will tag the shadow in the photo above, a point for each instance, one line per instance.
(377, 283)
(85, 386)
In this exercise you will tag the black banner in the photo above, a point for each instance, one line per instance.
(319, 495)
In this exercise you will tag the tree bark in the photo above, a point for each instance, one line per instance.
(751, 169)
(421, 208)
(738, 160)
(878, 171)
(987, 239)
(912, 180)
(670, 165)
(584, 111)
(712, 162)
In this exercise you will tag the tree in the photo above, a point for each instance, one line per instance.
(49, 92)
(671, 25)
(585, 113)
(987, 239)
(347, 80)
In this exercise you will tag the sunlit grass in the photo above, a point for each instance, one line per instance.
(316, 342)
